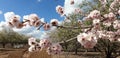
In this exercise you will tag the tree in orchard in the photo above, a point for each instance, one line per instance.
(11, 37)
(98, 28)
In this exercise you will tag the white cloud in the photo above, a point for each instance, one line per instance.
(70, 8)
(29, 31)
(24, 30)
(42, 20)
(4, 26)
(36, 34)
(44, 35)
(8, 16)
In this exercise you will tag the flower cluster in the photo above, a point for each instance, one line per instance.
(13, 21)
(114, 5)
(88, 40)
(105, 26)
(44, 44)
(94, 14)
(60, 10)
(54, 49)
(33, 20)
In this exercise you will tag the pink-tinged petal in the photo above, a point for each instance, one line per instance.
(54, 49)
(31, 41)
(37, 23)
(72, 2)
(32, 22)
(31, 48)
(111, 16)
(44, 43)
(20, 25)
(33, 17)
(95, 14)
(46, 26)
(116, 24)
(88, 40)
(54, 22)
(119, 12)
(60, 10)
(15, 21)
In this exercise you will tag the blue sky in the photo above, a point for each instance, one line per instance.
(43, 8)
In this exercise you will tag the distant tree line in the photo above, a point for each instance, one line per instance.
(11, 37)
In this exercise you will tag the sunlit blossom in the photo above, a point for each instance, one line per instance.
(106, 23)
(54, 49)
(54, 22)
(46, 26)
(32, 41)
(119, 12)
(116, 24)
(31, 48)
(94, 14)
(8, 16)
(118, 32)
(44, 43)
(72, 2)
(111, 16)
(88, 40)
(96, 21)
(60, 10)
(37, 23)
(33, 17)
(20, 25)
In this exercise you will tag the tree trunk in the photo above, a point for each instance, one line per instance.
(12, 44)
(3, 45)
(108, 55)
(76, 51)
(65, 44)
(76, 48)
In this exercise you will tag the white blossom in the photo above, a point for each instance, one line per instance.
(88, 40)
(116, 24)
(32, 41)
(54, 22)
(96, 21)
(60, 10)
(44, 43)
(94, 14)
(54, 49)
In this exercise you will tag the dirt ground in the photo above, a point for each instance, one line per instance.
(23, 53)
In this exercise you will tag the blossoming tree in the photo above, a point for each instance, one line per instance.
(98, 28)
